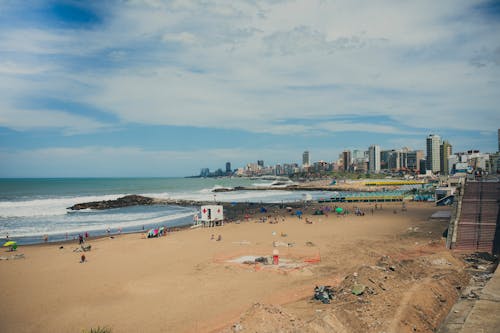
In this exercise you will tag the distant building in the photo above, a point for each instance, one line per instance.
(433, 153)
(495, 164)
(278, 170)
(384, 159)
(413, 160)
(228, 167)
(306, 161)
(445, 152)
(374, 159)
(346, 159)
(394, 160)
(205, 172)
(498, 140)
(260, 163)
(423, 166)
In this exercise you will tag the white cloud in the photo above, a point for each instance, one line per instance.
(239, 61)
(69, 124)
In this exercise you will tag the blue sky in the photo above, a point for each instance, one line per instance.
(164, 88)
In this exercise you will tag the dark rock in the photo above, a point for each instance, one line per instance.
(129, 200)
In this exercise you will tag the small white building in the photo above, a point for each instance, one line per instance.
(211, 215)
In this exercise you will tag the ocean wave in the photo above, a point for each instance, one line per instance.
(73, 228)
(46, 207)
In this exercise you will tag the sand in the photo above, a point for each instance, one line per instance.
(185, 282)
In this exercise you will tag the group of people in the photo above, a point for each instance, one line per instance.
(219, 238)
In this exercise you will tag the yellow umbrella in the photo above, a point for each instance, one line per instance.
(9, 243)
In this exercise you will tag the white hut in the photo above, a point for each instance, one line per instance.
(211, 215)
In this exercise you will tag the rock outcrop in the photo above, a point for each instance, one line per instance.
(129, 200)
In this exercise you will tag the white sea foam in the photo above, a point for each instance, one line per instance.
(46, 207)
(114, 222)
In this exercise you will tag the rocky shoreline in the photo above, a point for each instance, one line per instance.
(235, 210)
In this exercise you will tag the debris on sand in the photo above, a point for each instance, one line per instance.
(323, 294)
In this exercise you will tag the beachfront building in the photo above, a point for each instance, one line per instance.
(494, 164)
(433, 153)
(346, 160)
(384, 159)
(413, 159)
(445, 152)
(374, 159)
(394, 160)
(306, 161)
(205, 172)
(228, 167)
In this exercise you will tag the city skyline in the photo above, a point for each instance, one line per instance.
(164, 88)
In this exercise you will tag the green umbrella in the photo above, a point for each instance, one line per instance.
(9, 243)
(339, 210)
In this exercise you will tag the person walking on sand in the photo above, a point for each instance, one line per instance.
(82, 259)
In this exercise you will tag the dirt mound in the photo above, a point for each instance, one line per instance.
(412, 295)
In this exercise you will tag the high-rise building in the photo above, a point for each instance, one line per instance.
(374, 159)
(433, 159)
(205, 172)
(260, 163)
(394, 160)
(445, 152)
(306, 159)
(384, 159)
(346, 158)
(228, 167)
(498, 140)
(413, 160)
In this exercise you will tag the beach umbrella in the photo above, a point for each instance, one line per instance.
(339, 210)
(9, 243)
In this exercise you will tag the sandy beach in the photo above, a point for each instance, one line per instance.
(187, 282)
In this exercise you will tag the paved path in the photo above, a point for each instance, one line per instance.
(477, 316)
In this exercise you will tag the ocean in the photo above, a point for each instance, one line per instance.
(32, 208)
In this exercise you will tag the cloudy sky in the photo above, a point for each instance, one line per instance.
(164, 88)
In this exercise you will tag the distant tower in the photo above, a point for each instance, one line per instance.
(260, 163)
(228, 167)
(305, 159)
(433, 160)
(374, 159)
(445, 151)
(498, 140)
(346, 157)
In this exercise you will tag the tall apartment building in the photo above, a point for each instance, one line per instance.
(306, 161)
(445, 152)
(346, 159)
(374, 159)
(413, 160)
(433, 160)
(228, 167)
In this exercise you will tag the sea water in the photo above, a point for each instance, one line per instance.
(32, 208)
